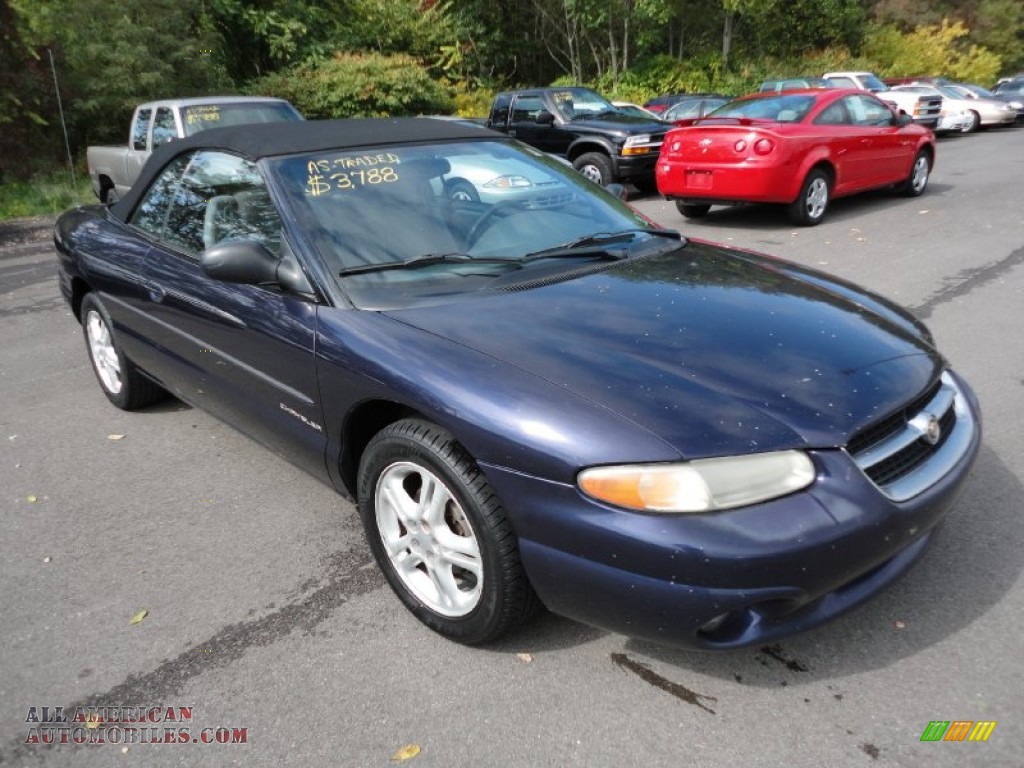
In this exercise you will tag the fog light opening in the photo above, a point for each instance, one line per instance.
(714, 624)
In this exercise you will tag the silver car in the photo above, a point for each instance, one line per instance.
(983, 112)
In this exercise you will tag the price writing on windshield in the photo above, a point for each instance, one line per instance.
(350, 173)
(203, 114)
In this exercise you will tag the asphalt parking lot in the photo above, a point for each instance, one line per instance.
(266, 613)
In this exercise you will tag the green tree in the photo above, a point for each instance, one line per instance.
(111, 56)
(358, 85)
(934, 49)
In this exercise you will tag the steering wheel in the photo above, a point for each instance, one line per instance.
(484, 222)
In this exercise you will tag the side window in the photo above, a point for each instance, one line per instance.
(835, 114)
(527, 108)
(164, 128)
(875, 112)
(141, 128)
(869, 111)
(151, 214)
(499, 110)
(221, 197)
(842, 82)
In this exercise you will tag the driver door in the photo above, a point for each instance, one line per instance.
(243, 352)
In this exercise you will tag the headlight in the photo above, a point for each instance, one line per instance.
(508, 182)
(699, 486)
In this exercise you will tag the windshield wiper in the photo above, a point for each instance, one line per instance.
(422, 261)
(598, 239)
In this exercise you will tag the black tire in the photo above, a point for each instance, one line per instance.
(811, 204)
(692, 211)
(647, 185)
(917, 181)
(118, 377)
(596, 166)
(462, 190)
(469, 607)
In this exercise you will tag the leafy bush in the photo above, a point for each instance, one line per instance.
(358, 85)
(934, 49)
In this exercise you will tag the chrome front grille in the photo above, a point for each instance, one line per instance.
(915, 447)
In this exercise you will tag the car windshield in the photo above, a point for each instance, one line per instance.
(575, 103)
(950, 93)
(425, 223)
(985, 93)
(783, 108)
(199, 117)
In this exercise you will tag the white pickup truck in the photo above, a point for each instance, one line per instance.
(924, 109)
(113, 170)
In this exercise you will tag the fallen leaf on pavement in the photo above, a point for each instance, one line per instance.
(524, 657)
(139, 616)
(408, 752)
(31, 499)
(115, 437)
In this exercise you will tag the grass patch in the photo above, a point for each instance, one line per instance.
(45, 194)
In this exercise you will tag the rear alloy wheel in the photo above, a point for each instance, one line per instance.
(693, 211)
(810, 205)
(917, 181)
(972, 126)
(596, 167)
(119, 379)
(440, 535)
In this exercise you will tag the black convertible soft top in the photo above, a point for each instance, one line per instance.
(287, 137)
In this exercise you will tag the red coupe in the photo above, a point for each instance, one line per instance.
(800, 148)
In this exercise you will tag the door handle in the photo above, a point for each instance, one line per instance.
(156, 292)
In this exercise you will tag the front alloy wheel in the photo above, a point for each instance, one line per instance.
(916, 183)
(440, 535)
(428, 539)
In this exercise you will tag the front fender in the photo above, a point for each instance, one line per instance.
(586, 144)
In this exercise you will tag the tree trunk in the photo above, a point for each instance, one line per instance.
(726, 40)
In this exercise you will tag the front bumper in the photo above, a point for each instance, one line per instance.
(732, 578)
(631, 167)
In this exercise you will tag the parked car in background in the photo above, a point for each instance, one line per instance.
(920, 80)
(660, 103)
(691, 444)
(629, 108)
(983, 113)
(974, 91)
(1011, 90)
(795, 84)
(602, 143)
(113, 170)
(694, 106)
(924, 109)
(800, 148)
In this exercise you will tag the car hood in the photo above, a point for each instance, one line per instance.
(618, 122)
(714, 351)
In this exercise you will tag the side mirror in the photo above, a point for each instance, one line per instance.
(544, 118)
(905, 119)
(240, 261)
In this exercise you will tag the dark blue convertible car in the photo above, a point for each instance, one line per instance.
(537, 398)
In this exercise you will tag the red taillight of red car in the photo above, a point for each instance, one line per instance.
(763, 146)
